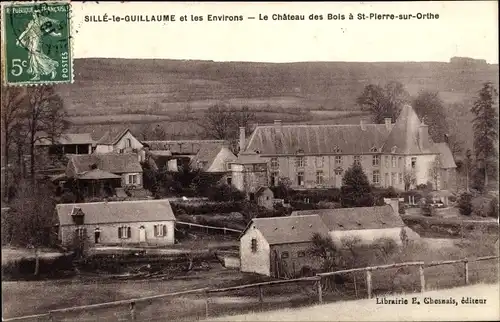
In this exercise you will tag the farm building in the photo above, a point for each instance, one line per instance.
(67, 143)
(278, 246)
(122, 141)
(249, 173)
(146, 222)
(265, 197)
(366, 223)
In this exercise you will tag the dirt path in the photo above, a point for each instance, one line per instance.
(369, 310)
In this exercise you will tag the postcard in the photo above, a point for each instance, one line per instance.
(249, 161)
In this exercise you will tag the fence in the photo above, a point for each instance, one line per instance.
(318, 283)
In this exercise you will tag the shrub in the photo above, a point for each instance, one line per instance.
(465, 204)
(402, 208)
(224, 192)
(493, 209)
(386, 247)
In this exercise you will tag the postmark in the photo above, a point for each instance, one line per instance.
(37, 43)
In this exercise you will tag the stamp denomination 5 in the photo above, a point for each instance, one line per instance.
(37, 43)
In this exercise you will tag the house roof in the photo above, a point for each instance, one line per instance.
(261, 190)
(110, 162)
(117, 212)
(97, 174)
(66, 139)
(284, 230)
(356, 218)
(184, 146)
(316, 139)
(447, 160)
(249, 158)
(112, 136)
(208, 154)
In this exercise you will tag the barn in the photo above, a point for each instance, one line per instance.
(279, 246)
(366, 223)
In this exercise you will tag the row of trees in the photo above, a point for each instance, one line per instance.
(28, 115)
(386, 102)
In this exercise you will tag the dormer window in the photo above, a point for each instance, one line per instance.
(257, 152)
(337, 150)
(394, 148)
(300, 151)
(374, 149)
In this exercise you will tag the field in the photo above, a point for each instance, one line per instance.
(368, 310)
(134, 92)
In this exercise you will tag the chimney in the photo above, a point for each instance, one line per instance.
(394, 203)
(423, 136)
(362, 124)
(388, 122)
(242, 138)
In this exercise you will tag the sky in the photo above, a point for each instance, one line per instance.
(464, 28)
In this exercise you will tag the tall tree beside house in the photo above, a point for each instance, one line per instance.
(430, 107)
(13, 104)
(324, 248)
(383, 102)
(468, 167)
(435, 172)
(356, 190)
(150, 132)
(32, 218)
(45, 114)
(409, 179)
(485, 126)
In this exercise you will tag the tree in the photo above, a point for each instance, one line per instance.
(219, 122)
(409, 179)
(45, 117)
(13, 99)
(429, 107)
(32, 220)
(465, 204)
(485, 126)
(324, 248)
(468, 166)
(383, 102)
(435, 172)
(356, 190)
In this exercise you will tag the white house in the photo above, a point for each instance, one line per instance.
(120, 142)
(146, 222)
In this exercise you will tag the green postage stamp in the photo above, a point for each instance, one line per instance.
(37, 43)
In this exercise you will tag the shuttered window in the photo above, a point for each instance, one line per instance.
(124, 232)
(160, 230)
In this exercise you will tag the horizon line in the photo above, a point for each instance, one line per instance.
(296, 62)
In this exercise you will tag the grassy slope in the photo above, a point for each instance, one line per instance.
(160, 90)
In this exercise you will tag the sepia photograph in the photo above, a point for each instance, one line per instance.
(249, 161)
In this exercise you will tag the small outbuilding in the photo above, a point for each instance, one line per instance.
(265, 197)
(139, 222)
(279, 246)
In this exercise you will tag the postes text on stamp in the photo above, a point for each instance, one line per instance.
(37, 43)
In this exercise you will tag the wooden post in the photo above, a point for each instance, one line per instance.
(261, 295)
(132, 311)
(466, 271)
(224, 231)
(369, 283)
(422, 278)
(51, 317)
(320, 291)
(206, 304)
(355, 286)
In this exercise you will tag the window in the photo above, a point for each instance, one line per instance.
(394, 165)
(227, 166)
(301, 254)
(160, 230)
(274, 163)
(229, 181)
(300, 162)
(386, 161)
(81, 232)
(374, 149)
(284, 255)
(337, 150)
(132, 179)
(400, 162)
(393, 178)
(300, 178)
(254, 245)
(394, 148)
(338, 160)
(386, 179)
(413, 163)
(400, 178)
(338, 172)
(274, 178)
(128, 143)
(376, 160)
(320, 162)
(357, 159)
(376, 177)
(319, 177)
(124, 232)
